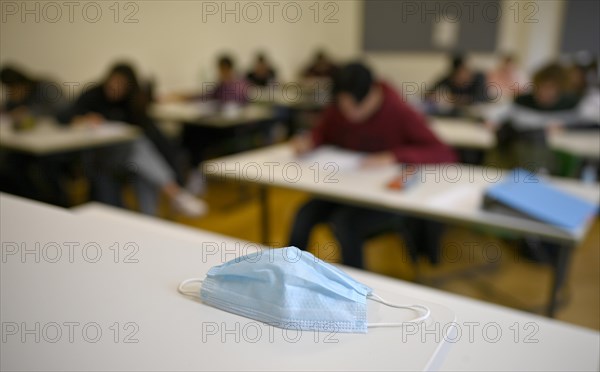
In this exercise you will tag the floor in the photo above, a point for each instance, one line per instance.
(475, 263)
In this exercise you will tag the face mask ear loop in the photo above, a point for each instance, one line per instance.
(424, 310)
(181, 289)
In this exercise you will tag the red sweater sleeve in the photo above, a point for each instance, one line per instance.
(420, 146)
(319, 132)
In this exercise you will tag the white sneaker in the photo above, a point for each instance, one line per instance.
(196, 183)
(189, 206)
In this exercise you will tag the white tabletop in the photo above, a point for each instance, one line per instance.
(463, 133)
(135, 292)
(447, 192)
(207, 113)
(48, 137)
(581, 143)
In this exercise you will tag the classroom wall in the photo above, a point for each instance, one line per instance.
(176, 41)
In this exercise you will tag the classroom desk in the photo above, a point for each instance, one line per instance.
(450, 193)
(135, 293)
(581, 143)
(205, 114)
(49, 138)
(464, 133)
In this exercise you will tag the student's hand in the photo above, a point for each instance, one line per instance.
(380, 159)
(555, 127)
(302, 144)
(92, 119)
(172, 97)
(490, 126)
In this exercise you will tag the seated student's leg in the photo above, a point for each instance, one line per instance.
(312, 213)
(103, 169)
(147, 196)
(423, 237)
(105, 189)
(353, 225)
(193, 141)
(166, 148)
(197, 141)
(149, 165)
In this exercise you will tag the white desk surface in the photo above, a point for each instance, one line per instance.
(206, 114)
(584, 143)
(48, 138)
(169, 327)
(463, 133)
(173, 331)
(447, 192)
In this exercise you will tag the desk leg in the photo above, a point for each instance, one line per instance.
(560, 266)
(264, 211)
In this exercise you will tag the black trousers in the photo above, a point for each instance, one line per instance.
(352, 226)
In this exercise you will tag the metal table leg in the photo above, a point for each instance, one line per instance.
(560, 266)
(264, 211)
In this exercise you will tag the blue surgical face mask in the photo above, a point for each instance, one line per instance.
(290, 288)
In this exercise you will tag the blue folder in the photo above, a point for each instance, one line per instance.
(523, 192)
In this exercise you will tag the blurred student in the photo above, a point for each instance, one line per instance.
(367, 116)
(119, 98)
(522, 126)
(229, 92)
(584, 85)
(582, 75)
(262, 73)
(507, 81)
(461, 87)
(27, 96)
(230, 87)
(320, 67)
(28, 100)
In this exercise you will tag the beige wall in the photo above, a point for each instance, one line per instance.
(173, 42)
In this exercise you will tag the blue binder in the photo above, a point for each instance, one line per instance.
(524, 193)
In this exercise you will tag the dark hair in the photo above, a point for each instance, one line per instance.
(551, 73)
(458, 61)
(225, 61)
(508, 58)
(126, 70)
(12, 76)
(355, 78)
(260, 57)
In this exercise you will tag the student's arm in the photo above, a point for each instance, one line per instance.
(422, 146)
(480, 93)
(317, 136)
(82, 110)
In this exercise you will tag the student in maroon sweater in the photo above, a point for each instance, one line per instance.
(367, 116)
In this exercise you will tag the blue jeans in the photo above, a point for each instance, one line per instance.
(138, 163)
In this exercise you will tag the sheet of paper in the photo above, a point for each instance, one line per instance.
(343, 159)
